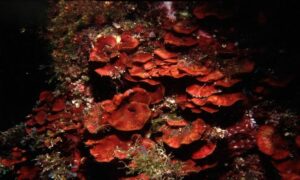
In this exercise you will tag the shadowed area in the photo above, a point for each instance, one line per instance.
(23, 58)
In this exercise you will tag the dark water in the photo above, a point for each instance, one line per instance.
(22, 52)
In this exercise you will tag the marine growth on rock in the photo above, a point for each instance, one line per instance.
(155, 90)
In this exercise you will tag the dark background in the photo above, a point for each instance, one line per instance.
(22, 55)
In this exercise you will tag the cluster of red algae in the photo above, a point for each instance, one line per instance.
(173, 86)
(55, 124)
(144, 66)
(271, 143)
(143, 63)
(62, 123)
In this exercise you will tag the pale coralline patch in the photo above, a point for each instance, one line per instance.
(217, 133)
(168, 5)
